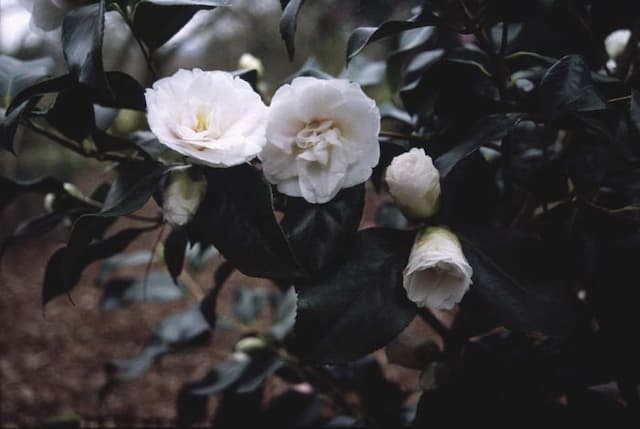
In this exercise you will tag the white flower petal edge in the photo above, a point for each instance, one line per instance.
(414, 183)
(616, 42)
(438, 274)
(322, 136)
(212, 117)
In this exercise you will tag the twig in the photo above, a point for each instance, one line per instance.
(408, 137)
(435, 323)
(147, 269)
(73, 147)
(145, 52)
(485, 43)
(617, 99)
(505, 38)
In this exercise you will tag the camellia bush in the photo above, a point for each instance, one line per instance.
(508, 138)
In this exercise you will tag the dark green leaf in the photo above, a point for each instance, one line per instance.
(336, 222)
(237, 217)
(56, 84)
(288, 23)
(148, 143)
(15, 76)
(132, 189)
(208, 303)
(469, 194)
(363, 36)
(174, 248)
(124, 92)
(72, 114)
(567, 87)
(9, 126)
(514, 275)
(156, 287)
(82, 33)
(157, 21)
(67, 264)
(10, 189)
(35, 227)
(388, 215)
(486, 130)
(361, 306)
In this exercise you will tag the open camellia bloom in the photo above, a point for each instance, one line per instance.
(212, 117)
(438, 274)
(322, 136)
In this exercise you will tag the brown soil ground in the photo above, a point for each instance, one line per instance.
(52, 362)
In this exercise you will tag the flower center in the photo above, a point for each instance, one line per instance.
(316, 133)
(201, 122)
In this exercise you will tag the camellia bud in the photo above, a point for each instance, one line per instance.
(616, 42)
(73, 190)
(437, 274)
(249, 62)
(183, 193)
(49, 201)
(414, 183)
(250, 344)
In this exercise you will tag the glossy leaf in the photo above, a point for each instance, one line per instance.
(82, 34)
(67, 264)
(486, 130)
(132, 189)
(175, 247)
(10, 188)
(360, 306)
(34, 227)
(72, 114)
(237, 217)
(15, 76)
(363, 36)
(567, 87)
(515, 276)
(336, 222)
(288, 24)
(157, 21)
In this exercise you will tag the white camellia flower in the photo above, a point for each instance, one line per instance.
(322, 136)
(185, 190)
(414, 183)
(437, 275)
(616, 42)
(210, 116)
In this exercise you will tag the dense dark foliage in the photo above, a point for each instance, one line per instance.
(536, 136)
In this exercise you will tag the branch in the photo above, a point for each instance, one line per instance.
(72, 146)
(408, 137)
